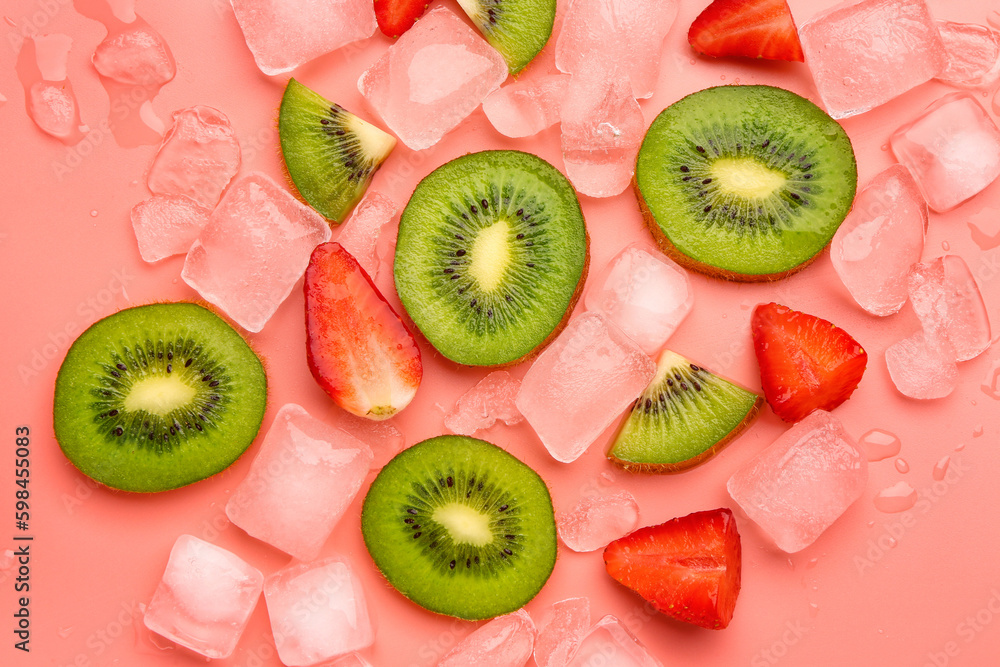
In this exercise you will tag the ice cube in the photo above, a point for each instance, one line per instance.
(580, 383)
(972, 54)
(867, 53)
(432, 78)
(921, 367)
(283, 34)
(598, 520)
(560, 630)
(797, 487)
(881, 238)
(136, 55)
(643, 292)
(384, 439)
(50, 100)
(318, 612)
(198, 157)
(491, 399)
(627, 32)
(167, 225)
(602, 128)
(300, 483)
(254, 249)
(610, 643)
(953, 150)
(359, 235)
(505, 641)
(527, 106)
(946, 299)
(205, 598)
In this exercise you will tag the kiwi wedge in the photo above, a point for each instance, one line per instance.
(491, 256)
(745, 182)
(685, 416)
(518, 29)
(330, 154)
(461, 527)
(156, 397)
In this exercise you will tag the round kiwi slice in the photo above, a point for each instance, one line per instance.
(159, 396)
(330, 154)
(461, 527)
(491, 255)
(518, 29)
(745, 182)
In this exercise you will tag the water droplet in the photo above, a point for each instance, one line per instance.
(736, 80)
(10, 21)
(945, 246)
(813, 609)
(977, 431)
(880, 444)
(884, 147)
(960, 446)
(722, 77)
(93, 214)
(812, 563)
(871, 524)
(991, 383)
(897, 498)
(65, 632)
(941, 468)
(693, 61)
(902, 466)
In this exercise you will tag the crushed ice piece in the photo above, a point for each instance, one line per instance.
(432, 78)
(947, 301)
(359, 235)
(602, 129)
(645, 293)
(922, 368)
(479, 408)
(300, 483)
(629, 33)
(952, 148)
(198, 157)
(167, 225)
(527, 106)
(506, 641)
(598, 520)
(797, 487)
(577, 386)
(205, 598)
(610, 643)
(283, 34)
(865, 54)
(880, 239)
(561, 628)
(50, 102)
(135, 55)
(318, 612)
(254, 249)
(897, 498)
(880, 445)
(972, 54)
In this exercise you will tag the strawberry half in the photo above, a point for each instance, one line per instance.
(359, 351)
(397, 16)
(806, 363)
(750, 28)
(688, 568)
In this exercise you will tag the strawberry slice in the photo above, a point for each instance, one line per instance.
(750, 28)
(806, 363)
(397, 16)
(688, 567)
(359, 351)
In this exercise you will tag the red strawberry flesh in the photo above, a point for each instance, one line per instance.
(358, 349)
(397, 16)
(748, 28)
(688, 568)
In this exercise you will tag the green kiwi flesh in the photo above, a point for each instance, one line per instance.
(156, 397)
(461, 527)
(685, 416)
(518, 29)
(330, 154)
(745, 182)
(491, 255)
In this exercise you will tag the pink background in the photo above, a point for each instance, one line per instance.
(875, 589)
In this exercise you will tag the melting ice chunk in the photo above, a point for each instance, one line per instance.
(610, 643)
(921, 367)
(205, 598)
(136, 55)
(527, 106)
(167, 225)
(972, 54)
(505, 641)
(797, 487)
(360, 234)
(946, 299)
(491, 399)
(300, 483)
(560, 630)
(384, 439)
(598, 520)
(50, 101)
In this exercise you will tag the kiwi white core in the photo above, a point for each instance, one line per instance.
(375, 142)
(490, 255)
(746, 177)
(159, 395)
(464, 524)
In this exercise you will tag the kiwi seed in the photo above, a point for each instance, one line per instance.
(518, 29)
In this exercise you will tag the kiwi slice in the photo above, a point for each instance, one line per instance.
(330, 154)
(745, 182)
(518, 29)
(685, 416)
(491, 255)
(156, 397)
(461, 527)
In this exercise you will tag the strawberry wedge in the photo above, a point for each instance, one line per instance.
(358, 349)
(397, 16)
(688, 568)
(748, 28)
